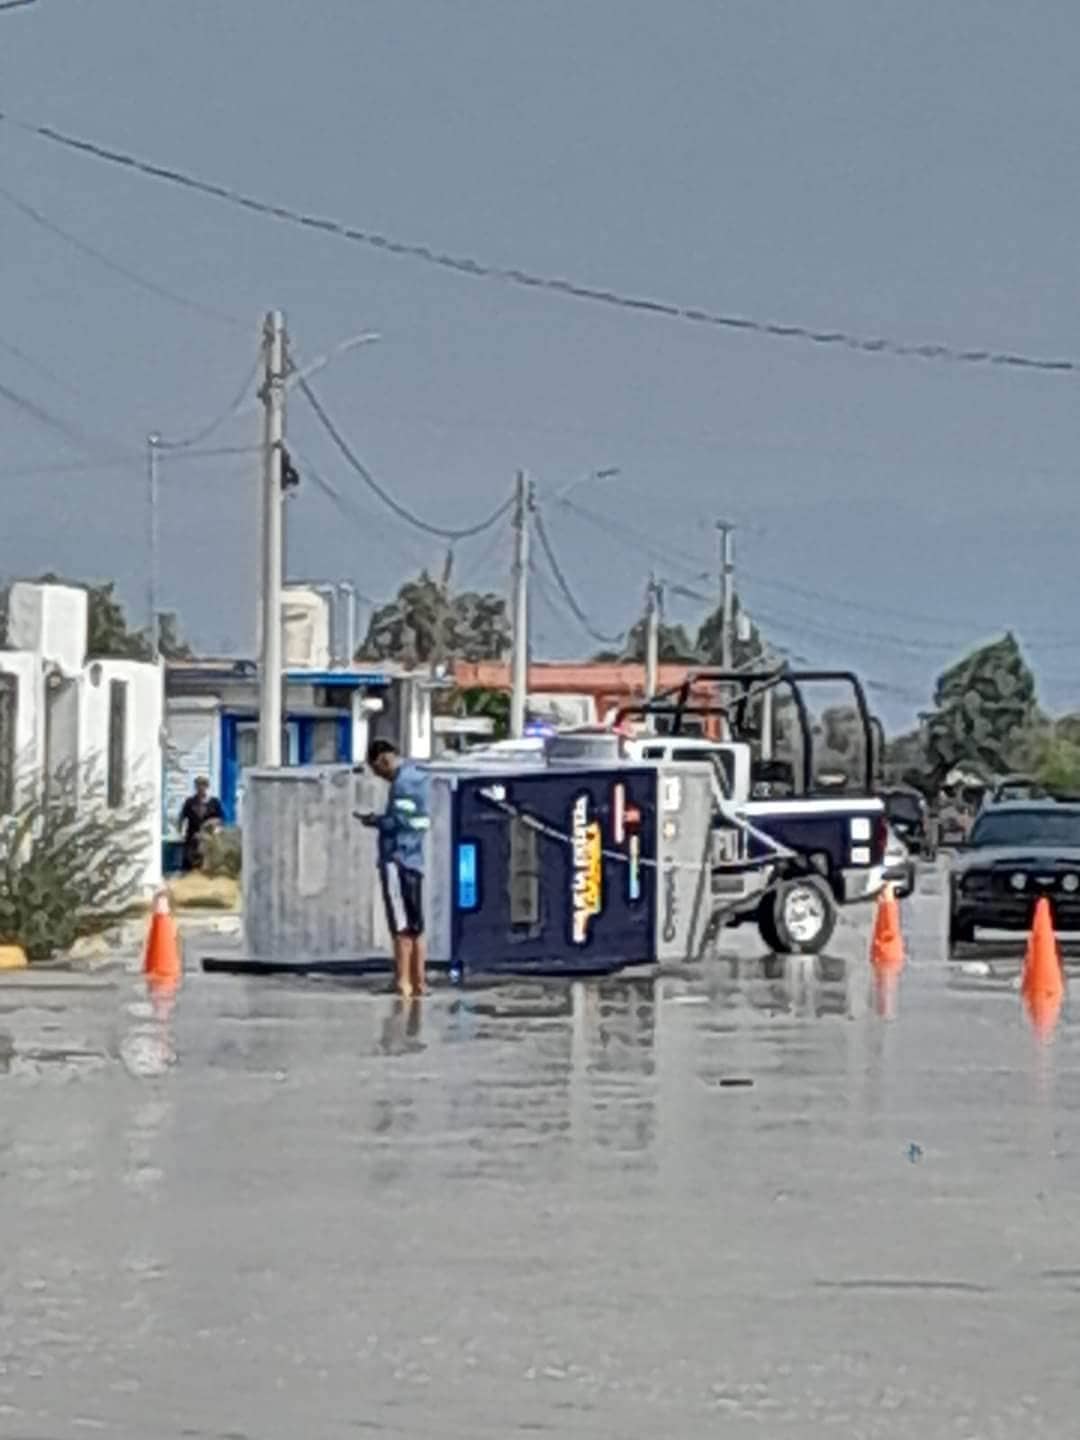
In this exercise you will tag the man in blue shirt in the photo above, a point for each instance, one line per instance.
(403, 828)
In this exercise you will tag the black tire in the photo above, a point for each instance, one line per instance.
(798, 917)
(961, 932)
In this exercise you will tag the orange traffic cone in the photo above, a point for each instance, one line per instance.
(1043, 982)
(887, 945)
(162, 964)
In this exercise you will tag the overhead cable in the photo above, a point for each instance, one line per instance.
(443, 532)
(238, 409)
(347, 506)
(235, 407)
(152, 287)
(477, 269)
(72, 433)
(567, 594)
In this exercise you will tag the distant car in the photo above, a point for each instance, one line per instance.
(909, 816)
(1015, 787)
(1016, 852)
(898, 867)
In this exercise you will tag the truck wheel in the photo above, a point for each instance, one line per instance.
(798, 917)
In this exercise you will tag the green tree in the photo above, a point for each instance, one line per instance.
(69, 865)
(748, 649)
(674, 646)
(171, 643)
(905, 762)
(109, 635)
(1057, 765)
(492, 705)
(984, 712)
(426, 623)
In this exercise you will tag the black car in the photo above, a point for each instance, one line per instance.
(1016, 852)
(909, 816)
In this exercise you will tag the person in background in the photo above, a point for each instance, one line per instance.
(201, 811)
(402, 829)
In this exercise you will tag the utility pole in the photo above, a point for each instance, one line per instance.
(727, 592)
(270, 676)
(519, 666)
(767, 724)
(152, 444)
(652, 635)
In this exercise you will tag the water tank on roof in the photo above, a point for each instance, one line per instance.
(305, 625)
(49, 620)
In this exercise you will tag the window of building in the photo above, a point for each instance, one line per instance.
(9, 711)
(116, 785)
(324, 742)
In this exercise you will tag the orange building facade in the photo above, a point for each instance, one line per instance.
(608, 684)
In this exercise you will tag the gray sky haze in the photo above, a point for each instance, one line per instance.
(906, 170)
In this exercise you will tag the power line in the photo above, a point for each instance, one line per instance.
(480, 562)
(15, 4)
(564, 587)
(347, 506)
(384, 495)
(477, 269)
(646, 544)
(39, 366)
(89, 467)
(152, 287)
(73, 434)
(234, 409)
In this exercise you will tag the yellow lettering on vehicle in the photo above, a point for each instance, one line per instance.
(588, 861)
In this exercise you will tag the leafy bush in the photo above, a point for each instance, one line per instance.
(222, 853)
(69, 866)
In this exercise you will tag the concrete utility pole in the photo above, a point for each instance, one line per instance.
(525, 500)
(270, 679)
(727, 591)
(152, 444)
(652, 636)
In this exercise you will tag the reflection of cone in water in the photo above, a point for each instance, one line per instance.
(162, 995)
(161, 962)
(887, 945)
(1043, 982)
(886, 991)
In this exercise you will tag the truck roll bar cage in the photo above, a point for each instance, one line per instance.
(678, 701)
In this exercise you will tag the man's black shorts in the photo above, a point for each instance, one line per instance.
(403, 894)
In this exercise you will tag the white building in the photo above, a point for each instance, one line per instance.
(64, 713)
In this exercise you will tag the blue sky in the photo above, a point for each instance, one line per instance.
(887, 169)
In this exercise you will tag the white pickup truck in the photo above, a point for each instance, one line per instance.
(785, 862)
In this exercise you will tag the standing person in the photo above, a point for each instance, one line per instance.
(200, 810)
(402, 828)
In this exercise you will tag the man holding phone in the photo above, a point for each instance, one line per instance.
(402, 829)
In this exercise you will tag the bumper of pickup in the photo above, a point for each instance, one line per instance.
(860, 882)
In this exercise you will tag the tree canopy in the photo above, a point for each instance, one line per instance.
(984, 712)
(110, 635)
(426, 623)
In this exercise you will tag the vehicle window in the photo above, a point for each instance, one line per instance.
(654, 752)
(1027, 827)
(903, 807)
(1018, 790)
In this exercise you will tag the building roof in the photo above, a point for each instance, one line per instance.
(240, 671)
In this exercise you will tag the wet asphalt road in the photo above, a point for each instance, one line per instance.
(736, 1202)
